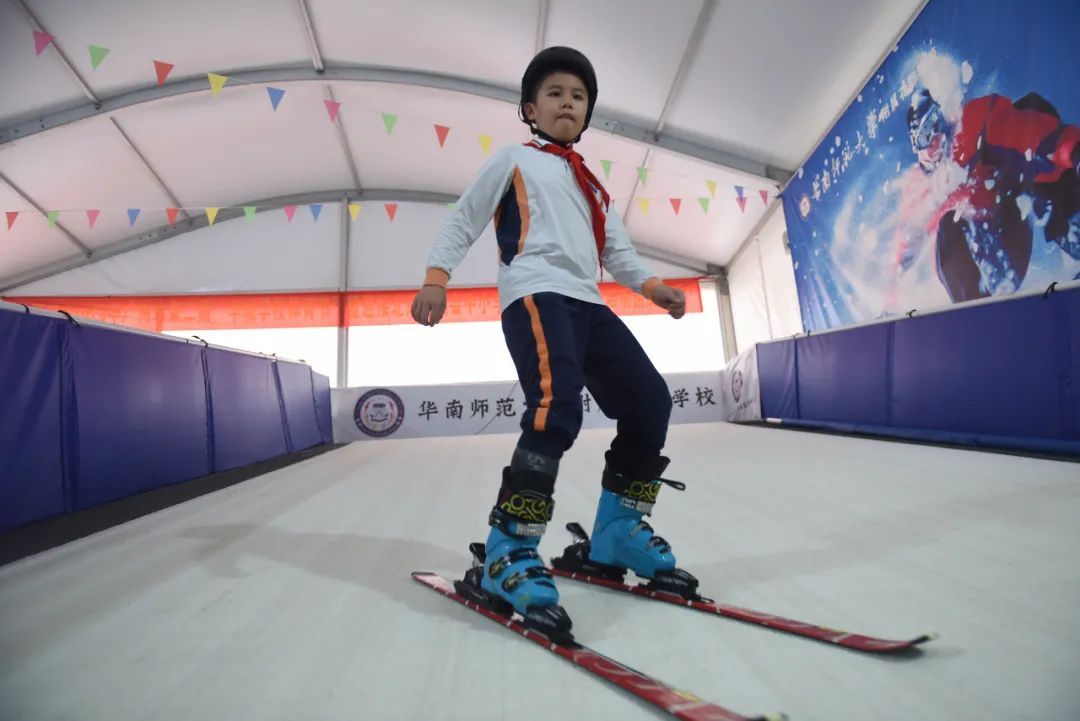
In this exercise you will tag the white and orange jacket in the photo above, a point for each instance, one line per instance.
(543, 228)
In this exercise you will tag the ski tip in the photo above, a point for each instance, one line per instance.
(778, 716)
(927, 637)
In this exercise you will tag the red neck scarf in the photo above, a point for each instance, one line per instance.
(587, 182)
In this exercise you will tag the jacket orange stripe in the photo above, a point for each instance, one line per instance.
(523, 207)
(540, 421)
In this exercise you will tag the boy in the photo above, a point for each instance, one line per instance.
(554, 227)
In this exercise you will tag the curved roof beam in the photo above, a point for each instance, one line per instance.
(196, 222)
(646, 136)
(200, 220)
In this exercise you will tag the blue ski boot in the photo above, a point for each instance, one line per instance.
(509, 574)
(621, 540)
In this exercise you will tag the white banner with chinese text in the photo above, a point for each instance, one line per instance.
(362, 414)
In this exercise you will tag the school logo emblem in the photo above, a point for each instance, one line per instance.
(736, 385)
(379, 412)
(804, 206)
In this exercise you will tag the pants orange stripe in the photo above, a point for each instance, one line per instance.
(540, 421)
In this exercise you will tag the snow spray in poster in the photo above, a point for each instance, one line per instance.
(953, 174)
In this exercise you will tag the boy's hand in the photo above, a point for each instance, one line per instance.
(429, 305)
(670, 299)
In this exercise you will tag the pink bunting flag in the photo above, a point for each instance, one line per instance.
(171, 214)
(391, 210)
(11, 216)
(92, 216)
(290, 211)
(741, 200)
(764, 196)
(676, 203)
(41, 41)
(332, 107)
(442, 131)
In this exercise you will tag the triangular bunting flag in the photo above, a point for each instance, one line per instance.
(171, 214)
(290, 211)
(162, 70)
(354, 210)
(704, 204)
(485, 143)
(643, 203)
(41, 41)
(712, 188)
(332, 108)
(389, 121)
(642, 174)
(316, 208)
(764, 196)
(97, 54)
(11, 216)
(391, 210)
(606, 165)
(52, 215)
(133, 215)
(275, 96)
(249, 211)
(676, 203)
(92, 216)
(442, 131)
(740, 193)
(217, 82)
(211, 214)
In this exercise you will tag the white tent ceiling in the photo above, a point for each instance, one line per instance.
(732, 92)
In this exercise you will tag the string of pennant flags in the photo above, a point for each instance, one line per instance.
(211, 212)
(217, 83)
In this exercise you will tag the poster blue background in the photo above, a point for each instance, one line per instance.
(850, 264)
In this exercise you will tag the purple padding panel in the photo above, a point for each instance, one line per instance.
(299, 400)
(321, 385)
(1070, 374)
(141, 405)
(844, 376)
(31, 470)
(247, 415)
(777, 379)
(994, 369)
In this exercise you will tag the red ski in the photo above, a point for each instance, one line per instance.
(853, 641)
(679, 704)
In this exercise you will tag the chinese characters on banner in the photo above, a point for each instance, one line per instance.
(469, 409)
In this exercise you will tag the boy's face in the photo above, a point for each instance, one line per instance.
(560, 107)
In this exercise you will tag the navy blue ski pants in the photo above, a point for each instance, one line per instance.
(561, 345)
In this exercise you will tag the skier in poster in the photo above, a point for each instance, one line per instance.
(1012, 154)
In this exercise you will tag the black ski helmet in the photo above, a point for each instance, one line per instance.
(555, 59)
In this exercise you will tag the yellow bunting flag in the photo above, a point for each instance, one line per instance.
(643, 203)
(485, 143)
(211, 214)
(354, 210)
(217, 82)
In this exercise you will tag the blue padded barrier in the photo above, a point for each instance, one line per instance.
(298, 399)
(142, 413)
(246, 409)
(31, 464)
(995, 375)
(321, 385)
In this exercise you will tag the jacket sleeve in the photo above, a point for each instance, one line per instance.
(472, 212)
(620, 258)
